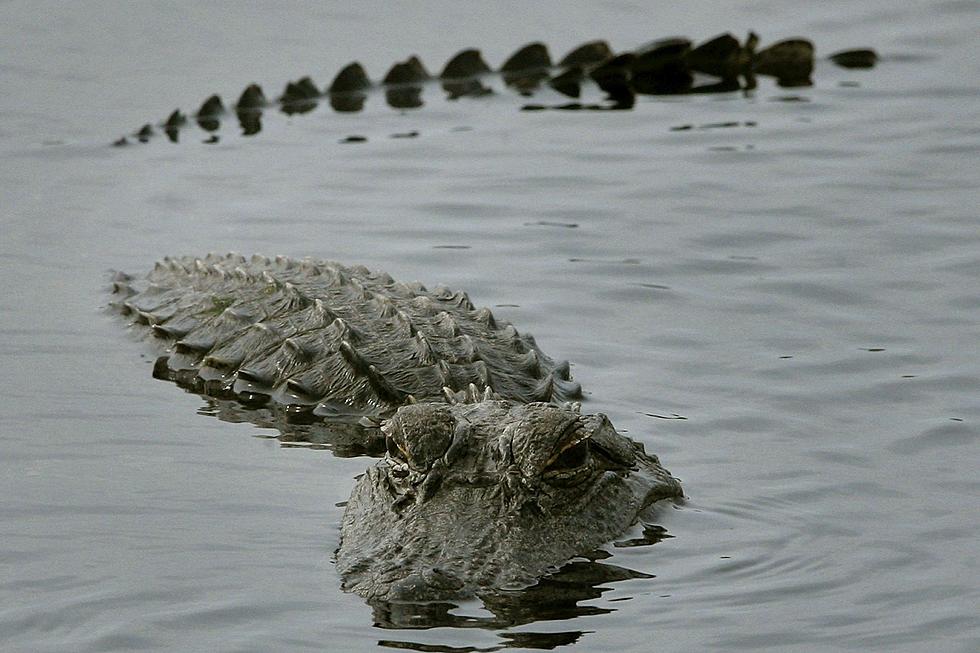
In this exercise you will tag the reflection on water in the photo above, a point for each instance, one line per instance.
(345, 438)
(404, 96)
(347, 102)
(558, 597)
(250, 120)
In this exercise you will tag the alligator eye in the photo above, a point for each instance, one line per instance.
(573, 457)
(570, 467)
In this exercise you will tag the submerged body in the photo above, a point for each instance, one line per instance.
(475, 498)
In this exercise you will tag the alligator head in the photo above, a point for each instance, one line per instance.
(492, 495)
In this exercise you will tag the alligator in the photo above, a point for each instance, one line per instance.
(485, 496)
(664, 67)
(492, 476)
(320, 340)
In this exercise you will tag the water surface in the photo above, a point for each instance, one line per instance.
(786, 310)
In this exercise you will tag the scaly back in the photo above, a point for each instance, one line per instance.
(320, 337)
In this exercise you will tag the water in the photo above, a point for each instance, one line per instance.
(786, 312)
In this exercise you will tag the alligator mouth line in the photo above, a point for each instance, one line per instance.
(398, 462)
(398, 458)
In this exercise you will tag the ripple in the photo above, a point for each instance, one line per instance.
(818, 292)
(956, 434)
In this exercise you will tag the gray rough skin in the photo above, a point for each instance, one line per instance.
(475, 498)
(322, 338)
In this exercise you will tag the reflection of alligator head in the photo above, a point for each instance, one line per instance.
(671, 66)
(489, 496)
(567, 593)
